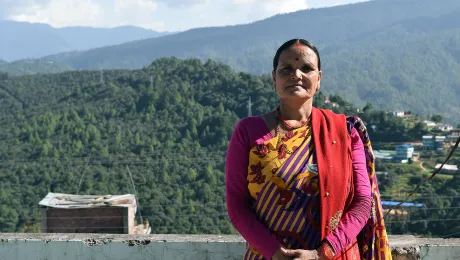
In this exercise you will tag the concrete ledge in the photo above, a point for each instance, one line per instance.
(140, 247)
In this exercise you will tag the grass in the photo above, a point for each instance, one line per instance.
(404, 183)
(445, 176)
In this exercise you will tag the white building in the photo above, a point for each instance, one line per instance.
(428, 142)
(443, 127)
(404, 152)
(439, 142)
(454, 134)
(382, 156)
(429, 123)
(397, 113)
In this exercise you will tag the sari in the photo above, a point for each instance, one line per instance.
(373, 238)
(284, 182)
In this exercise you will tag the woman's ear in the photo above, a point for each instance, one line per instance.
(320, 75)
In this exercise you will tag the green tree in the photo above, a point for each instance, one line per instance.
(437, 118)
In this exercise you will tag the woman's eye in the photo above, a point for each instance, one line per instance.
(306, 69)
(286, 70)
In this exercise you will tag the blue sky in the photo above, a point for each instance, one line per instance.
(159, 15)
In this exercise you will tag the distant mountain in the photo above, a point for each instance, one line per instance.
(34, 40)
(250, 47)
(396, 54)
(32, 66)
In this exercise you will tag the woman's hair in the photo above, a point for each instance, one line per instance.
(289, 44)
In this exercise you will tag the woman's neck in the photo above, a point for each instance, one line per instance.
(296, 112)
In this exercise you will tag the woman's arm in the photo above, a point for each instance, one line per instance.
(353, 221)
(239, 199)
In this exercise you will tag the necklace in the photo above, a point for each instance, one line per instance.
(278, 116)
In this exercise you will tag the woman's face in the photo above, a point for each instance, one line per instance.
(297, 75)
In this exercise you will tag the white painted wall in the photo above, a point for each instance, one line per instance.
(177, 247)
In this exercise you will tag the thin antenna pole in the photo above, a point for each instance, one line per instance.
(135, 193)
(83, 173)
(249, 107)
(101, 78)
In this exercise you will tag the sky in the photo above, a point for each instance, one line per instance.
(158, 15)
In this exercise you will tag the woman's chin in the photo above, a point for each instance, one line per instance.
(298, 95)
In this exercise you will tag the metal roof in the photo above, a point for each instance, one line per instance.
(405, 204)
(408, 146)
(71, 201)
(449, 167)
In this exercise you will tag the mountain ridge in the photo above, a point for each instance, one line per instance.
(394, 61)
(35, 40)
(239, 40)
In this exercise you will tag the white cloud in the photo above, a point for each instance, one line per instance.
(329, 3)
(246, 11)
(272, 7)
(107, 13)
(160, 15)
(243, 2)
(60, 12)
(8, 7)
(182, 3)
(284, 6)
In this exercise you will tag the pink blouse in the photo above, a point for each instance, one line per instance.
(251, 131)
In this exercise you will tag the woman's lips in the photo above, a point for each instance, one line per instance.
(293, 86)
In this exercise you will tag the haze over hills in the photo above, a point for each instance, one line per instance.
(34, 40)
(395, 54)
(250, 47)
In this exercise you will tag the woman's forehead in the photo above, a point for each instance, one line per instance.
(297, 53)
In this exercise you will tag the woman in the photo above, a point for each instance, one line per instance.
(300, 182)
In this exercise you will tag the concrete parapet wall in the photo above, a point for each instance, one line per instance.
(184, 247)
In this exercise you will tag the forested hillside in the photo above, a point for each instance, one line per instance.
(169, 123)
(31, 66)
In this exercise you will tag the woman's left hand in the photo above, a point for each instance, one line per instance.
(300, 254)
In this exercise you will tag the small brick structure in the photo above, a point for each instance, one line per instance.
(109, 214)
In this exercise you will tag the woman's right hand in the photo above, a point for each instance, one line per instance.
(278, 255)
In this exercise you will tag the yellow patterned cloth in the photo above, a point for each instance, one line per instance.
(283, 180)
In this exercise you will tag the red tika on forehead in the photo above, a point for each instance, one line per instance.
(297, 43)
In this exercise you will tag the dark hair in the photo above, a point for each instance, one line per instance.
(289, 44)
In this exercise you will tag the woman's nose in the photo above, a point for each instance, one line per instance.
(298, 74)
